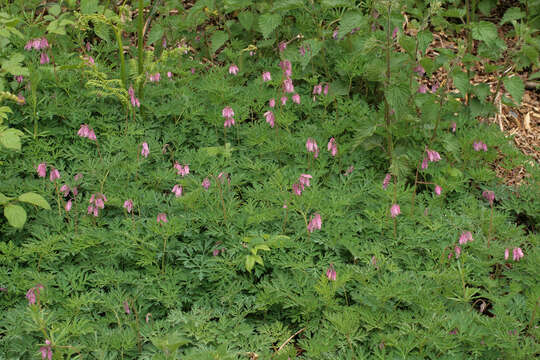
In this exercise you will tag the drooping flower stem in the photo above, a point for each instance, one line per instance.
(164, 253)
(387, 85)
(490, 224)
(58, 199)
(140, 44)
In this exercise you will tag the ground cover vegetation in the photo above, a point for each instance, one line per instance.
(265, 180)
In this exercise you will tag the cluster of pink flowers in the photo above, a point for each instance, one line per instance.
(266, 76)
(86, 132)
(315, 223)
(128, 205)
(144, 149)
(37, 44)
(154, 77)
(161, 217)
(516, 252)
(270, 118)
(489, 196)
(318, 90)
(432, 156)
(33, 294)
(182, 170)
(97, 201)
(332, 146)
(465, 237)
(228, 114)
(303, 181)
(395, 210)
(233, 69)
(478, 145)
(89, 60)
(206, 183)
(419, 69)
(311, 146)
(42, 172)
(177, 190)
(331, 273)
(386, 181)
(65, 190)
(134, 101)
(46, 351)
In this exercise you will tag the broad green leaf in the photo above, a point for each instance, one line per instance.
(424, 39)
(35, 199)
(313, 47)
(268, 23)
(397, 96)
(250, 262)
(246, 19)
(4, 199)
(232, 5)
(156, 33)
(15, 215)
(511, 14)
(102, 30)
(328, 4)
(287, 5)
(89, 6)
(485, 6)
(54, 10)
(218, 39)
(514, 85)
(408, 43)
(10, 139)
(484, 31)
(461, 82)
(349, 21)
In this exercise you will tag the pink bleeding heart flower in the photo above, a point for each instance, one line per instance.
(304, 179)
(128, 205)
(65, 190)
(395, 210)
(182, 170)
(282, 46)
(161, 217)
(457, 251)
(465, 237)
(332, 146)
(489, 196)
(227, 112)
(288, 86)
(169, 74)
(69, 204)
(311, 146)
(438, 190)
(83, 131)
(44, 58)
(177, 190)
(272, 103)
(478, 146)
(453, 127)
(325, 90)
(331, 273)
(297, 189)
(266, 76)
(506, 254)
(317, 89)
(386, 181)
(145, 150)
(54, 174)
(42, 169)
(228, 122)
(422, 89)
(419, 69)
(233, 69)
(46, 351)
(283, 100)
(517, 254)
(270, 118)
(315, 223)
(205, 183)
(296, 98)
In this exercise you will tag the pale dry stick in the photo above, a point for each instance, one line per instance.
(289, 339)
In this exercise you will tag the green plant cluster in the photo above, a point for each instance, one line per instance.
(235, 266)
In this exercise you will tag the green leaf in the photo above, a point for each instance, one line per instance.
(484, 31)
(349, 21)
(250, 262)
(89, 6)
(287, 5)
(268, 23)
(10, 139)
(485, 6)
(155, 34)
(232, 5)
(246, 19)
(328, 4)
(15, 215)
(408, 43)
(102, 30)
(512, 14)
(4, 199)
(397, 96)
(424, 39)
(461, 82)
(35, 199)
(55, 10)
(218, 39)
(515, 87)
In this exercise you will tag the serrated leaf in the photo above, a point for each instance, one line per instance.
(313, 47)
(287, 5)
(484, 31)
(349, 21)
(424, 39)
(217, 40)
(397, 96)
(156, 33)
(461, 82)
(512, 14)
(485, 6)
(408, 43)
(268, 23)
(89, 6)
(35, 199)
(15, 215)
(328, 4)
(514, 85)
(10, 139)
(232, 5)
(102, 30)
(246, 19)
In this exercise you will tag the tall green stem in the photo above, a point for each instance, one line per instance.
(123, 72)
(140, 35)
